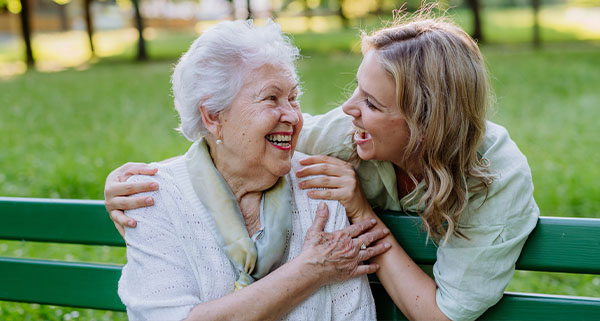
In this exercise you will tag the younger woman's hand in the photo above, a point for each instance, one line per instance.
(339, 181)
(117, 193)
(337, 256)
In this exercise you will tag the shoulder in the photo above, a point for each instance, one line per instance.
(509, 199)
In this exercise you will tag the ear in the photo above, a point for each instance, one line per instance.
(212, 122)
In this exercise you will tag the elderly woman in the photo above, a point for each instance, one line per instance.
(416, 130)
(232, 236)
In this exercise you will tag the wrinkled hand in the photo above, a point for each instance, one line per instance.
(339, 180)
(117, 193)
(338, 256)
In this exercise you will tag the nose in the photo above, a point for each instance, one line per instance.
(350, 107)
(289, 114)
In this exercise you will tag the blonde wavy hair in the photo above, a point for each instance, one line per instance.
(442, 90)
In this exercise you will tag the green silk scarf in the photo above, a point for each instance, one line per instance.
(251, 259)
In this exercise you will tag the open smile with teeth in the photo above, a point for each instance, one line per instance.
(281, 141)
(361, 135)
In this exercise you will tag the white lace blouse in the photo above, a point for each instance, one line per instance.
(175, 263)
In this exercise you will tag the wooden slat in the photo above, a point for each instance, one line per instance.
(556, 245)
(57, 220)
(81, 285)
(513, 306)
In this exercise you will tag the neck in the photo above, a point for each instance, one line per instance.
(404, 182)
(244, 182)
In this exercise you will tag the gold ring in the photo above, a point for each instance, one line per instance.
(363, 246)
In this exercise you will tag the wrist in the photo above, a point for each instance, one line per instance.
(308, 268)
(364, 213)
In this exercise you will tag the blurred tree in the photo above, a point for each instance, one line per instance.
(89, 25)
(476, 8)
(141, 55)
(25, 14)
(536, 23)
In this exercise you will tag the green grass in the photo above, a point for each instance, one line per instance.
(62, 133)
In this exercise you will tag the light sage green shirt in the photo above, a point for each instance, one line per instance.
(471, 275)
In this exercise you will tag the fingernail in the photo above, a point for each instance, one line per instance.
(149, 201)
(321, 206)
(387, 245)
(153, 185)
(132, 223)
(301, 184)
(386, 231)
(373, 221)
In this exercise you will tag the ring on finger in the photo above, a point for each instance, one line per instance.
(363, 246)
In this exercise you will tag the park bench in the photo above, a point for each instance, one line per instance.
(556, 245)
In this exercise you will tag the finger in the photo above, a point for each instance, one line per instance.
(358, 228)
(316, 159)
(118, 217)
(124, 189)
(326, 194)
(370, 237)
(128, 202)
(130, 169)
(322, 182)
(373, 251)
(365, 269)
(323, 169)
(320, 219)
(121, 231)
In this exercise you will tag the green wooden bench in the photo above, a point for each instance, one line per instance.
(556, 245)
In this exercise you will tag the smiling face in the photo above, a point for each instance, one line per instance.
(381, 130)
(261, 127)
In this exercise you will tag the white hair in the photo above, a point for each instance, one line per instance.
(214, 68)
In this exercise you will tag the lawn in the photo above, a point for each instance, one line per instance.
(62, 133)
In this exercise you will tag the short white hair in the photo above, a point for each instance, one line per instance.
(214, 68)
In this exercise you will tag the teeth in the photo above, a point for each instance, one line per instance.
(279, 140)
(360, 130)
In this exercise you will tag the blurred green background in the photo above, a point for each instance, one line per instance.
(69, 120)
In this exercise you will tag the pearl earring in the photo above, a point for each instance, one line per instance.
(219, 142)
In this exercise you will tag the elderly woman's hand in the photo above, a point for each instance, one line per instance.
(117, 193)
(337, 256)
(339, 181)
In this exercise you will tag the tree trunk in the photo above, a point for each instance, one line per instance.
(26, 30)
(64, 19)
(476, 8)
(249, 9)
(89, 23)
(140, 27)
(537, 41)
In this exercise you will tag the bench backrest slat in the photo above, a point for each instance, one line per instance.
(57, 220)
(95, 286)
(557, 244)
(82, 285)
(512, 306)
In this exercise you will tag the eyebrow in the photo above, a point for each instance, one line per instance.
(276, 87)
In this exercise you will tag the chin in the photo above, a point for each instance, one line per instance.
(282, 169)
(364, 155)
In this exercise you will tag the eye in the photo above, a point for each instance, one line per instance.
(370, 105)
(272, 98)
